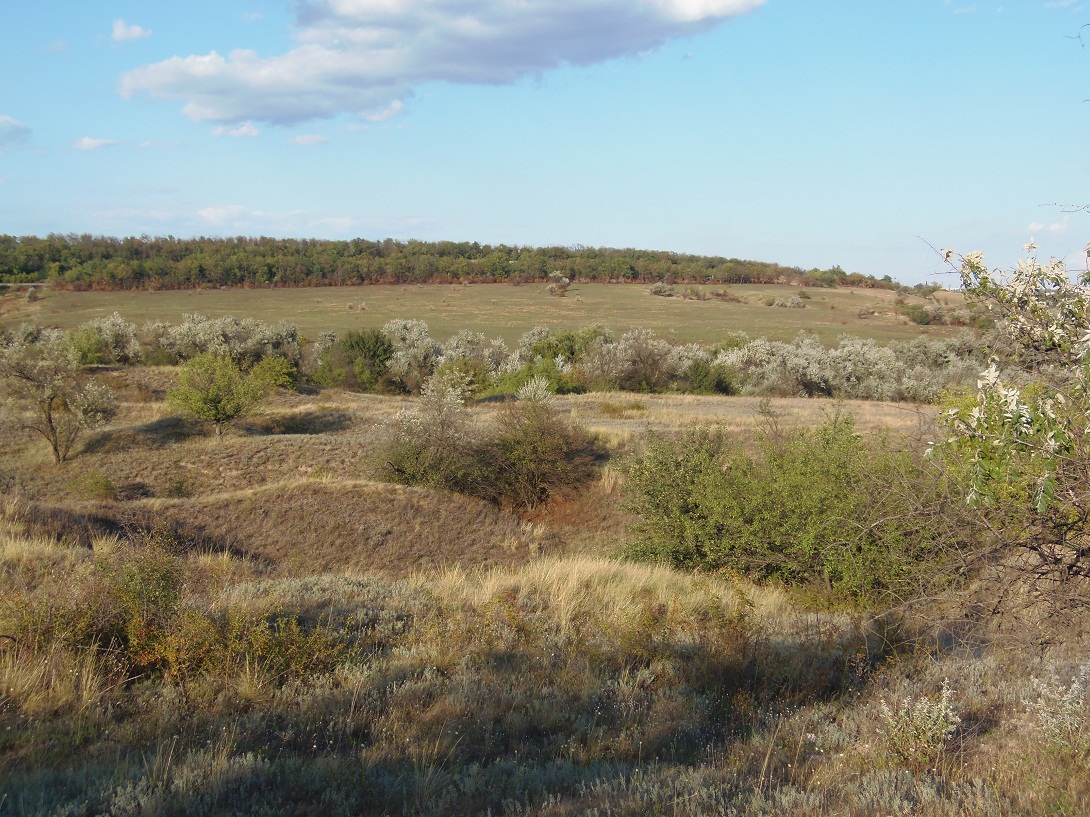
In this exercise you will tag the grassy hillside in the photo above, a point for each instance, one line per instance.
(258, 625)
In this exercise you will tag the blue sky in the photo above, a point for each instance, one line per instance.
(806, 133)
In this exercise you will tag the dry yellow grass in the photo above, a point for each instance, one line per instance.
(309, 526)
(735, 414)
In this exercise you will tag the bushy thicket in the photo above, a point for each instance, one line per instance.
(593, 358)
(401, 355)
(819, 508)
(526, 456)
(246, 341)
(113, 340)
(357, 361)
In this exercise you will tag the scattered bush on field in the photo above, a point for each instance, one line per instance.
(793, 302)
(559, 284)
(246, 341)
(923, 314)
(431, 444)
(662, 290)
(528, 455)
(415, 353)
(533, 454)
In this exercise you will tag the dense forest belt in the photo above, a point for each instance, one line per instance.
(107, 263)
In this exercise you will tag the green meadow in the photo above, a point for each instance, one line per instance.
(507, 311)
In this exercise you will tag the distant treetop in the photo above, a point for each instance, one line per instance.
(102, 262)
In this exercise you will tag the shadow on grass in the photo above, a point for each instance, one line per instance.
(156, 434)
(105, 519)
(299, 422)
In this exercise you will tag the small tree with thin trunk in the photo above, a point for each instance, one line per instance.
(212, 388)
(49, 394)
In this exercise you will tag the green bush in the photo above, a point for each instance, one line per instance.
(88, 346)
(921, 314)
(707, 378)
(534, 454)
(814, 507)
(214, 389)
(529, 455)
(560, 382)
(357, 361)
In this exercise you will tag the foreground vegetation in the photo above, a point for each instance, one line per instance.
(472, 596)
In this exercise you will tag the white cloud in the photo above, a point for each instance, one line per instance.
(1055, 227)
(362, 56)
(308, 139)
(387, 113)
(245, 130)
(123, 32)
(87, 143)
(12, 132)
(223, 213)
(238, 219)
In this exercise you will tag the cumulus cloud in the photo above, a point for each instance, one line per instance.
(12, 132)
(308, 139)
(362, 56)
(87, 143)
(123, 32)
(245, 130)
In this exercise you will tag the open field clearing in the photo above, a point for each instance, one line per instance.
(503, 310)
(627, 416)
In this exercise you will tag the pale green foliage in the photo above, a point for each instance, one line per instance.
(1064, 711)
(416, 353)
(106, 340)
(855, 368)
(535, 390)
(51, 397)
(919, 731)
(245, 341)
(428, 443)
(212, 388)
(1017, 430)
(1025, 439)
